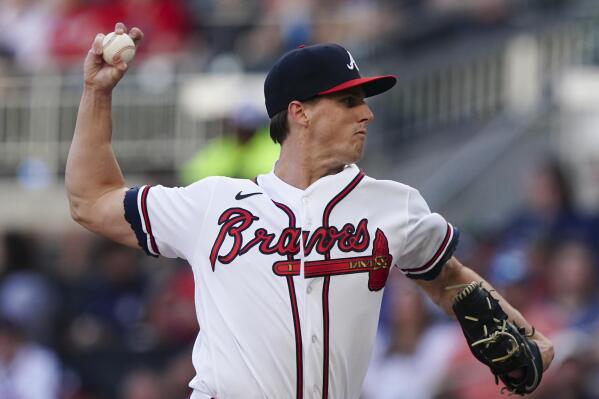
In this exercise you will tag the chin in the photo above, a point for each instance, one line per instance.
(355, 158)
(359, 153)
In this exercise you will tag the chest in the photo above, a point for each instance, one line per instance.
(309, 239)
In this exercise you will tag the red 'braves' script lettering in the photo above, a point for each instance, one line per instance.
(235, 221)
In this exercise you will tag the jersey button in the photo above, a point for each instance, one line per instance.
(309, 289)
(314, 338)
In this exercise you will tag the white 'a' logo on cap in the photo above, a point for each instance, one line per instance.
(352, 63)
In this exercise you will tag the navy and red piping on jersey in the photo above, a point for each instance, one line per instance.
(136, 213)
(295, 313)
(431, 269)
(327, 282)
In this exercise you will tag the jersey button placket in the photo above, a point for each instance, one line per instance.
(305, 215)
(308, 223)
(312, 374)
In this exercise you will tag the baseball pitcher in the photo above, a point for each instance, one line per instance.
(290, 267)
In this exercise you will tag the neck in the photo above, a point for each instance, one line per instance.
(301, 165)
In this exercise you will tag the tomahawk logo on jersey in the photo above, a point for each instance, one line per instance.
(289, 282)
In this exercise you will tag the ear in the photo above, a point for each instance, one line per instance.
(297, 114)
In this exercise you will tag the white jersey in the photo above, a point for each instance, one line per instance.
(288, 282)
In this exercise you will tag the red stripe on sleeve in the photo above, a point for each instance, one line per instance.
(144, 211)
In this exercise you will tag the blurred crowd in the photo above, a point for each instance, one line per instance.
(200, 35)
(82, 318)
(88, 319)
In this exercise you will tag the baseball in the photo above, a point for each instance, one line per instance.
(114, 44)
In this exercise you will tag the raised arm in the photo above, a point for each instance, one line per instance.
(454, 273)
(93, 179)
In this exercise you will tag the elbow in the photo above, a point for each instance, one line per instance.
(76, 213)
(79, 212)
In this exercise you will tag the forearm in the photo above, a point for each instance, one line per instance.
(92, 169)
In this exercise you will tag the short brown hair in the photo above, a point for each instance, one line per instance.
(279, 127)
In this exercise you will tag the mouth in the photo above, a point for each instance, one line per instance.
(361, 132)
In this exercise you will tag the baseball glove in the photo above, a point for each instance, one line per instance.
(509, 352)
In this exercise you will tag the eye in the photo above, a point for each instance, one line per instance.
(351, 101)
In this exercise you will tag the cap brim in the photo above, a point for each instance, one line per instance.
(372, 85)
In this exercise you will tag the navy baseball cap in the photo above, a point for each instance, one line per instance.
(319, 69)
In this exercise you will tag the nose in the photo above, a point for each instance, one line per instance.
(366, 114)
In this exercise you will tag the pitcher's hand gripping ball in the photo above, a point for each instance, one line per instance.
(510, 353)
(114, 45)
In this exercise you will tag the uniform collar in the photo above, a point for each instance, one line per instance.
(325, 187)
(332, 184)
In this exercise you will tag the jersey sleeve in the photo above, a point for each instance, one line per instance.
(429, 240)
(167, 220)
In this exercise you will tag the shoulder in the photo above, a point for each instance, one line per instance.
(203, 191)
(405, 199)
(390, 187)
(220, 183)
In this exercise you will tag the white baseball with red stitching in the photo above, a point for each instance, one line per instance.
(114, 45)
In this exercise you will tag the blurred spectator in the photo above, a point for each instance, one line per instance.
(295, 19)
(350, 23)
(244, 153)
(177, 374)
(75, 26)
(222, 22)
(73, 249)
(412, 360)
(142, 384)
(27, 371)
(164, 22)
(573, 285)
(261, 45)
(71, 273)
(171, 311)
(111, 304)
(168, 381)
(26, 294)
(538, 256)
(24, 25)
(511, 274)
(573, 373)
(479, 11)
(549, 212)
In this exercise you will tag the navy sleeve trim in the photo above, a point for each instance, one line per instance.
(433, 268)
(132, 215)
